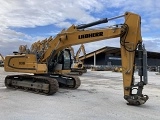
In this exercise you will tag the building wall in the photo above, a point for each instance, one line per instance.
(112, 60)
(102, 59)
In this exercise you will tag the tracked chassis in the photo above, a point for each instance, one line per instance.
(42, 84)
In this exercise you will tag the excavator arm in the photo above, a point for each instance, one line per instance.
(81, 48)
(130, 41)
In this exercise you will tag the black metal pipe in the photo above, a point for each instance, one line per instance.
(105, 20)
(140, 59)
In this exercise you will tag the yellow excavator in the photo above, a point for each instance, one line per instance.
(77, 64)
(47, 66)
(117, 69)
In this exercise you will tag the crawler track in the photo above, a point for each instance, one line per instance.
(31, 83)
(42, 84)
(69, 81)
(77, 82)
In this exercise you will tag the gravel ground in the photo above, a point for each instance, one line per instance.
(100, 97)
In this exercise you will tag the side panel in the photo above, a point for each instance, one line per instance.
(26, 63)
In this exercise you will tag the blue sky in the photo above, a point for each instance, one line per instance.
(27, 21)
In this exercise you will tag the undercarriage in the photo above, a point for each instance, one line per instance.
(41, 84)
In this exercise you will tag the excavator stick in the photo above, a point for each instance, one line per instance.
(139, 98)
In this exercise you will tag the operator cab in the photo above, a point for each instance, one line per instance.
(64, 60)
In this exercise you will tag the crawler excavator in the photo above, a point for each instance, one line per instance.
(47, 66)
(77, 64)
